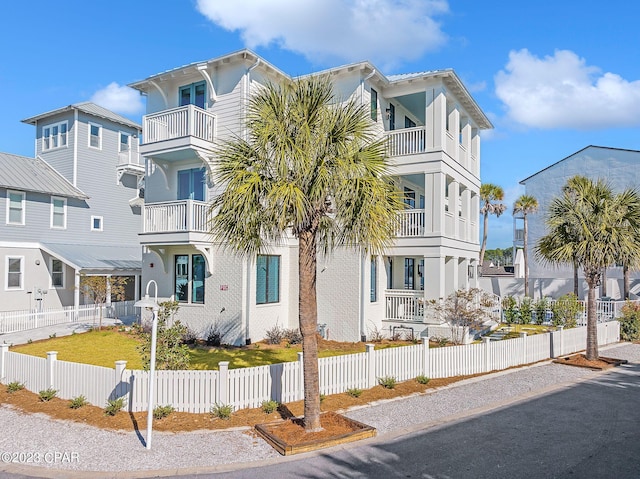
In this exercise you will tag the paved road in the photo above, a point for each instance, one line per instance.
(588, 430)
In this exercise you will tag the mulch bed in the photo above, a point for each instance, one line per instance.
(580, 360)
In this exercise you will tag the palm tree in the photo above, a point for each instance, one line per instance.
(597, 228)
(525, 204)
(312, 169)
(491, 195)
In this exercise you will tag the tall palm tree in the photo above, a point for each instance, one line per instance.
(525, 204)
(597, 228)
(491, 195)
(313, 169)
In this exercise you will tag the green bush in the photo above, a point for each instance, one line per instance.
(387, 382)
(510, 309)
(221, 411)
(47, 394)
(78, 402)
(566, 310)
(422, 379)
(113, 406)
(354, 392)
(269, 406)
(525, 310)
(171, 352)
(630, 322)
(541, 307)
(160, 412)
(14, 386)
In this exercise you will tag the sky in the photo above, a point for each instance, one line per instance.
(552, 76)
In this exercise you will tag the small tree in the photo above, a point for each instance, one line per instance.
(171, 352)
(566, 310)
(99, 288)
(463, 310)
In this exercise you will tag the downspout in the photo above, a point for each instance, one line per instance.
(362, 84)
(75, 147)
(363, 333)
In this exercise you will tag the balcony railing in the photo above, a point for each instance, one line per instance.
(188, 120)
(411, 223)
(407, 141)
(176, 216)
(128, 157)
(519, 235)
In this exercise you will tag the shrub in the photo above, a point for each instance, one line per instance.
(47, 394)
(541, 307)
(440, 341)
(14, 386)
(375, 335)
(525, 310)
(160, 412)
(270, 406)
(422, 379)
(189, 336)
(566, 310)
(510, 309)
(78, 402)
(322, 398)
(221, 411)
(630, 322)
(292, 336)
(274, 335)
(113, 406)
(171, 352)
(387, 382)
(354, 392)
(213, 335)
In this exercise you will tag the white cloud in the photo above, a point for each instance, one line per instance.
(384, 31)
(562, 91)
(119, 98)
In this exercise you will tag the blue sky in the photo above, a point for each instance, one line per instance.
(553, 76)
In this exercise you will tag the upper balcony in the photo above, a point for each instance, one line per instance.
(175, 222)
(129, 163)
(176, 134)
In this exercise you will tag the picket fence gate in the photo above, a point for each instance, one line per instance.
(196, 391)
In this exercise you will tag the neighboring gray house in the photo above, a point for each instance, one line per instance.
(73, 209)
(620, 168)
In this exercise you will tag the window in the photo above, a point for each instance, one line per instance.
(124, 142)
(194, 94)
(421, 274)
(191, 184)
(374, 105)
(409, 265)
(15, 207)
(392, 116)
(189, 278)
(14, 278)
(409, 123)
(58, 212)
(95, 135)
(374, 279)
(96, 223)
(57, 273)
(54, 136)
(267, 279)
(409, 197)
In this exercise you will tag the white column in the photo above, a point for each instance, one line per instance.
(463, 273)
(76, 292)
(475, 150)
(434, 271)
(454, 130)
(108, 295)
(429, 203)
(466, 141)
(451, 275)
(466, 214)
(454, 197)
(438, 195)
(437, 114)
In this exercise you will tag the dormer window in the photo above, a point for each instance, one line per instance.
(54, 136)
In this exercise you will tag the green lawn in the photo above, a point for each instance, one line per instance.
(103, 348)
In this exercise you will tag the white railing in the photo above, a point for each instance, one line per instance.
(605, 311)
(411, 223)
(13, 321)
(188, 120)
(176, 216)
(128, 157)
(407, 141)
(196, 391)
(404, 305)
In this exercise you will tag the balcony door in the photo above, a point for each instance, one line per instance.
(191, 184)
(193, 94)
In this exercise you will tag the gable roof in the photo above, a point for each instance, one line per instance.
(522, 182)
(35, 174)
(88, 108)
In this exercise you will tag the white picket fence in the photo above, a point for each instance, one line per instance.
(196, 391)
(13, 321)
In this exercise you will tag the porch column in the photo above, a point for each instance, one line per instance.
(465, 133)
(454, 130)
(475, 151)
(454, 197)
(475, 218)
(136, 287)
(436, 111)
(76, 292)
(473, 273)
(467, 234)
(463, 273)
(434, 271)
(437, 196)
(108, 290)
(429, 208)
(451, 275)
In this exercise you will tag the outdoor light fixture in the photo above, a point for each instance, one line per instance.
(152, 305)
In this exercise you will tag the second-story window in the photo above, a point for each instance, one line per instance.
(15, 207)
(95, 135)
(58, 212)
(124, 142)
(374, 105)
(191, 184)
(409, 197)
(54, 136)
(392, 116)
(193, 94)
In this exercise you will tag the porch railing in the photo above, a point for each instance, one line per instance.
(404, 305)
(407, 141)
(188, 120)
(411, 223)
(176, 216)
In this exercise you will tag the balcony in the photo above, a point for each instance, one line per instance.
(175, 222)
(176, 134)
(407, 141)
(411, 224)
(129, 163)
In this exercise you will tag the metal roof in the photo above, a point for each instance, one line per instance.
(97, 257)
(88, 108)
(35, 174)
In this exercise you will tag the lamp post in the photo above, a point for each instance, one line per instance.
(148, 303)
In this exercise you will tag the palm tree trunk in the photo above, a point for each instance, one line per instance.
(604, 282)
(575, 278)
(526, 260)
(308, 319)
(483, 248)
(625, 287)
(592, 323)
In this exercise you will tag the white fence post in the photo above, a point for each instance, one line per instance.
(4, 349)
(425, 356)
(300, 388)
(371, 365)
(524, 347)
(223, 383)
(561, 345)
(487, 356)
(52, 357)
